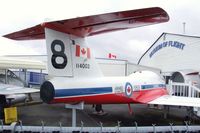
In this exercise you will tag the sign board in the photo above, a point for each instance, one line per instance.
(10, 115)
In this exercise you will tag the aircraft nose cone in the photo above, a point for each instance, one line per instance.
(47, 92)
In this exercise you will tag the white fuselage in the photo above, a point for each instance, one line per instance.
(81, 88)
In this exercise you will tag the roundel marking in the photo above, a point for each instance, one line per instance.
(128, 89)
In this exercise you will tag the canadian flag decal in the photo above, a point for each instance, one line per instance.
(112, 56)
(82, 52)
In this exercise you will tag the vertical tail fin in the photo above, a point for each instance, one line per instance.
(69, 56)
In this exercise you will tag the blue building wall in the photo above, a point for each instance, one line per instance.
(32, 78)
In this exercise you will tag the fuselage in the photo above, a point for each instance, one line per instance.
(137, 88)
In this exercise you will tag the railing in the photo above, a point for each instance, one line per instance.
(183, 89)
(18, 127)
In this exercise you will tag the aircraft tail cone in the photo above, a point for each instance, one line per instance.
(47, 92)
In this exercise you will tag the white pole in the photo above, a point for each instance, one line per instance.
(184, 27)
(73, 117)
(170, 87)
(74, 107)
(190, 89)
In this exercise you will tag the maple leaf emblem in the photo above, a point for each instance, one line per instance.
(129, 89)
(83, 51)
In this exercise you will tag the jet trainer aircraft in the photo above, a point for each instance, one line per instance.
(76, 77)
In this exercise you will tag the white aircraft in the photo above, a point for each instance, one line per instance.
(12, 94)
(76, 77)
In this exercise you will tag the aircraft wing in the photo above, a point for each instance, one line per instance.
(6, 89)
(96, 24)
(177, 101)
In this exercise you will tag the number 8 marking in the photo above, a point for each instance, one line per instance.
(57, 54)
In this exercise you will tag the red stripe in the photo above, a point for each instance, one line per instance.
(143, 96)
(88, 53)
(77, 50)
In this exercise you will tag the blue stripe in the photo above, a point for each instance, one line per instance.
(152, 86)
(82, 91)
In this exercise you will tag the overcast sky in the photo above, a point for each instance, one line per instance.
(130, 44)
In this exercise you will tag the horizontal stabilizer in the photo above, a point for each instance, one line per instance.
(6, 89)
(96, 24)
(177, 101)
